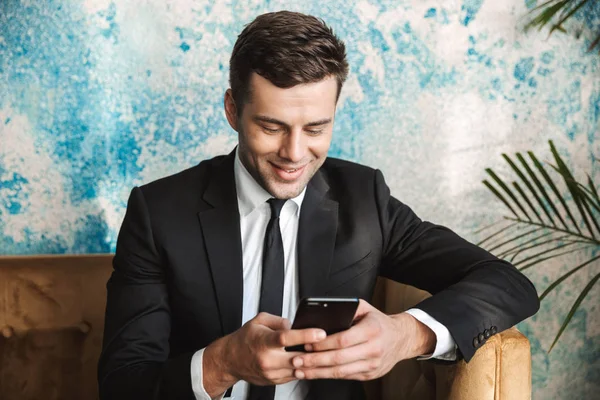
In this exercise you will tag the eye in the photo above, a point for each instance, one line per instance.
(315, 132)
(270, 130)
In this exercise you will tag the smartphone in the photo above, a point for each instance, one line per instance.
(332, 314)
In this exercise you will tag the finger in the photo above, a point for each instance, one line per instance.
(272, 321)
(293, 337)
(338, 372)
(357, 334)
(332, 358)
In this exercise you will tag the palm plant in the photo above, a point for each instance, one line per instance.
(555, 13)
(536, 231)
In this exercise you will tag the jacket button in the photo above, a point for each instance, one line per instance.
(475, 342)
(481, 337)
(493, 330)
(487, 334)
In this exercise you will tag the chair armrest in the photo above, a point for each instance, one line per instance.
(500, 370)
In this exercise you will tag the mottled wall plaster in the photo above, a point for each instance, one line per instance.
(97, 96)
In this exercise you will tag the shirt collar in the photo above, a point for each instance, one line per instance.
(250, 194)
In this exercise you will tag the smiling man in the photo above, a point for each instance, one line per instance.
(212, 262)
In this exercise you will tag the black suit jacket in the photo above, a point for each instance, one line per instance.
(177, 281)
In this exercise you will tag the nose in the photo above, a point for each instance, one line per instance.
(293, 147)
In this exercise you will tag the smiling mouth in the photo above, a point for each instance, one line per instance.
(289, 170)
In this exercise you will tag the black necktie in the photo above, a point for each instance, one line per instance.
(271, 292)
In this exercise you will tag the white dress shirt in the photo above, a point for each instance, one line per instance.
(254, 217)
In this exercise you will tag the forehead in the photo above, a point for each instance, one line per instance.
(265, 96)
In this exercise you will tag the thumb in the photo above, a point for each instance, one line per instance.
(273, 322)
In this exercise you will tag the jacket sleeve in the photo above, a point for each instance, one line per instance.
(473, 292)
(135, 362)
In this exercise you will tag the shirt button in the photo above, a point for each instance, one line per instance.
(494, 330)
(487, 334)
(475, 342)
(481, 337)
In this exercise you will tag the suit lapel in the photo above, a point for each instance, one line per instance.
(220, 220)
(316, 237)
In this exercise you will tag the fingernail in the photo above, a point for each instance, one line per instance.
(308, 347)
(321, 335)
(298, 362)
(299, 374)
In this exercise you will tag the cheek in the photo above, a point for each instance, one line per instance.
(261, 144)
(320, 146)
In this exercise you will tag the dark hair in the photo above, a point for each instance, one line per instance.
(287, 48)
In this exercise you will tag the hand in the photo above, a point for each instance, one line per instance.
(255, 353)
(368, 350)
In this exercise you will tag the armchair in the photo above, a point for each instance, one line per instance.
(500, 369)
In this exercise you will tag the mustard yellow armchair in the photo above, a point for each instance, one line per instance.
(52, 319)
(500, 369)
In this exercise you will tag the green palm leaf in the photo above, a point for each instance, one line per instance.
(563, 10)
(519, 247)
(539, 260)
(579, 201)
(542, 190)
(527, 184)
(496, 233)
(509, 192)
(515, 251)
(565, 276)
(584, 293)
(540, 167)
(528, 242)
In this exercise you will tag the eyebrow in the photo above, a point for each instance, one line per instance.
(262, 118)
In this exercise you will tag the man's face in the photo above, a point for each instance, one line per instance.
(284, 134)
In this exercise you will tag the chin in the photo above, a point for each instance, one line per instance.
(285, 191)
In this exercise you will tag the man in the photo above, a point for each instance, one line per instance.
(212, 262)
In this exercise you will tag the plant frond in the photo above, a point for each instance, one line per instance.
(509, 192)
(587, 194)
(584, 293)
(593, 188)
(521, 249)
(543, 252)
(539, 260)
(540, 167)
(515, 238)
(546, 15)
(566, 14)
(566, 173)
(524, 196)
(542, 191)
(594, 43)
(528, 184)
(496, 233)
(576, 234)
(499, 195)
(565, 276)
(478, 231)
(580, 196)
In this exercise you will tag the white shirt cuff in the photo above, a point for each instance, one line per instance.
(445, 346)
(197, 383)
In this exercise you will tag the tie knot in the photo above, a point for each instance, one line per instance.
(276, 206)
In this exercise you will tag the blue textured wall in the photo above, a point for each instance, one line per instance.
(97, 96)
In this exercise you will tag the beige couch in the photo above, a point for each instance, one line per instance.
(51, 322)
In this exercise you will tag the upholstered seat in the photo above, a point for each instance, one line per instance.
(52, 317)
(500, 369)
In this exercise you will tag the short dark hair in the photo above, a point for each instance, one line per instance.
(287, 48)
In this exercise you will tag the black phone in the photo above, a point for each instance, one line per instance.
(332, 314)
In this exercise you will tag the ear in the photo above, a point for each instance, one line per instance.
(231, 110)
